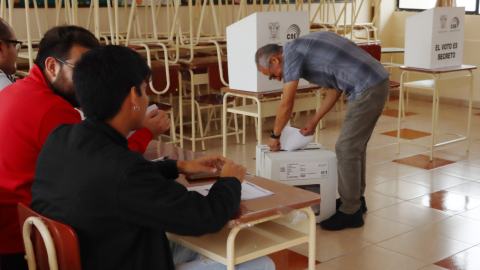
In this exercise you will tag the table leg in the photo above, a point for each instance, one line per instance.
(470, 110)
(192, 100)
(432, 141)
(231, 248)
(400, 104)
(224, 124)
(260, 122)
(312, 224)
(244, 119)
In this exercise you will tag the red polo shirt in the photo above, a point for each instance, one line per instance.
(29, 111)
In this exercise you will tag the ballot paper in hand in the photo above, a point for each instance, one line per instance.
(149, 109)
(249, 191)
(291, 139)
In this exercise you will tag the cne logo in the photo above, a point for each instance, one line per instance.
(443, 21)
(293, 31)
(455, 23)
(273, 27)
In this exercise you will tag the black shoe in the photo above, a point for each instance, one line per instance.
(363, 207)
(340, 221)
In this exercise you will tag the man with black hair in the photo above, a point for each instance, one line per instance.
(31, 108)
(9, 47)
(334, 62)
(120, 204)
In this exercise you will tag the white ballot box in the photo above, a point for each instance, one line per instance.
(253, 32)
(313, 168)
(434, 38)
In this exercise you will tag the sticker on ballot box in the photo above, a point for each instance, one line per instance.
(304, 170)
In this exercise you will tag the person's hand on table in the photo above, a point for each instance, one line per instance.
(308, 129)
(234, 170)
(206, 164)
(157, 124)
(274, 144)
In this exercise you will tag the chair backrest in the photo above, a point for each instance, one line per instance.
(64, 238)
(374, 50)
(160, 81)
(214, 76)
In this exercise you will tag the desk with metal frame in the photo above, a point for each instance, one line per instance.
(265, 109)
(257, 229)
(435, 85)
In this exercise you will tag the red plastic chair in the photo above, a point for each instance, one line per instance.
(49, 244)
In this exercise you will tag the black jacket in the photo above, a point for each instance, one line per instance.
(120, 204)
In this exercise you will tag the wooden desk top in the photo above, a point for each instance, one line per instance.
(439, 70)
(202, 62)
(249, 210)
(271, 93)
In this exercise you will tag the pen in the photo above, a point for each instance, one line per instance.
(160, 158)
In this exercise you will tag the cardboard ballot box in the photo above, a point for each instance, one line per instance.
(434, 38)
(313, 168)
(246, 36)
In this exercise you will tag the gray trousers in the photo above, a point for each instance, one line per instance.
(351, 148)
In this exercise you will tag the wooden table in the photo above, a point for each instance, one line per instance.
(265, 109)
(436, 84)
(257, 229)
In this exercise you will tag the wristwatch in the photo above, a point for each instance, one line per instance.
(273, 136)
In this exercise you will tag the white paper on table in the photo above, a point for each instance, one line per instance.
(149, 109)
(249, 191)
(291, 139)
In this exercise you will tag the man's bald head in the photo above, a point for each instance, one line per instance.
(6, 32)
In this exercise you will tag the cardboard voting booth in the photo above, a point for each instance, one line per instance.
(313, 168)
(434, 38)
(253, 32)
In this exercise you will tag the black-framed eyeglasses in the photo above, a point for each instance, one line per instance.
(64, 62)
(271, 77)
(18, 44)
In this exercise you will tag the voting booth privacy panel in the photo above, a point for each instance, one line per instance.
(253, 32)
(313, 168)
(434, 38)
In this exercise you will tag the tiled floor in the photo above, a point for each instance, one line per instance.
(421, 214)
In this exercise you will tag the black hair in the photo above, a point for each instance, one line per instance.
(59, 40)
(103, 78)
(262, 57)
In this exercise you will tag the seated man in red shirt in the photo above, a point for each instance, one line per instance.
(31, 108)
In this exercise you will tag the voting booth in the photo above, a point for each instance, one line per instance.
(434, 38)
(253, 32)
(313, 168)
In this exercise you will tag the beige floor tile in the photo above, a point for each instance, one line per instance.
(432, 267)
(376, 201)
(427, 247)
(376, 229)
(410, 214)
(461, 170)
(399, 189)
(456, 153)
(473, 214)
(324, 266)
(373, 179)
(393, 170)
(471, 189)
(376, 258)
(331, 245)
(435, 180)
(472, 162)
(458, 228)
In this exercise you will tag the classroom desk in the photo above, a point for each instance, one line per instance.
(257, 229)
(265, 109)
(391, 51)
(436, 84)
